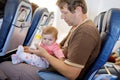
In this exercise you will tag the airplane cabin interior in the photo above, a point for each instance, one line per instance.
(22, 22)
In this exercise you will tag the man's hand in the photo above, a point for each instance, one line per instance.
(39, 51)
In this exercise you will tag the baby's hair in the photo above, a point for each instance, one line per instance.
(50, 30)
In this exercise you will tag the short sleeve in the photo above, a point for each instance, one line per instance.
(58, 51)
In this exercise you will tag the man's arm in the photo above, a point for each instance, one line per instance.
(63, 68)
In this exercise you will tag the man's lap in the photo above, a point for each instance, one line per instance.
(20, 71)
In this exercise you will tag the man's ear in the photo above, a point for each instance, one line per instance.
(78, 9)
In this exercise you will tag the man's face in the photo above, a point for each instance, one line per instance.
(69, 17)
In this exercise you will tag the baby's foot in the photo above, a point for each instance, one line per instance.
(20, 49)
(15, 59)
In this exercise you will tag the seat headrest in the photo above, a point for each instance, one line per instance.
(110, 20)
(99, 21)
(50, 19)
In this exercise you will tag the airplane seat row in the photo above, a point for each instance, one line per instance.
(15, 24)
(110, 33)
(22, 24)
(18, 31)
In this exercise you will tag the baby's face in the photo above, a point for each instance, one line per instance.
(48, 39)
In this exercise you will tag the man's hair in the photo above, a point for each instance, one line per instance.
(34, 7)
(50, 30)
(72, 4)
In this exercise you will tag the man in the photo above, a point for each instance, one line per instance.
(81, 46)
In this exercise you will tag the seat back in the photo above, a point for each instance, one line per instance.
(39, 18)
(99, 21)
(15, 25)
(50, 19)
(110, 34)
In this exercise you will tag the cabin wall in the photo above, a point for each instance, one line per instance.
(100, 6)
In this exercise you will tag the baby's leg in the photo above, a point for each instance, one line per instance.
(15, 57)
(34, 60)
(40, 62)
(26, 57)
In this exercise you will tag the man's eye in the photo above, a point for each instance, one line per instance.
(44, 38)
(64, 12)
(50, 39)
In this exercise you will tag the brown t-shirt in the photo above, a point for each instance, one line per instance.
(83, 46)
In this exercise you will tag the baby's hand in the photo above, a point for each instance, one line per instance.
(39, 50)
(27, 49)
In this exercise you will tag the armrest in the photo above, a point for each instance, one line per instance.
(117, 68)
(7, 57)
(107, 70)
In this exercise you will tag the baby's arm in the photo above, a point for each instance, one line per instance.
(62, 58)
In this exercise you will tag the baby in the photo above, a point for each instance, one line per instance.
(48, 42)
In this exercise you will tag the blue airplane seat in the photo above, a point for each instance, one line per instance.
(110, 34)
(2, 5)
(15, 24)
(39, 17)
(50, 19)
(99, 20)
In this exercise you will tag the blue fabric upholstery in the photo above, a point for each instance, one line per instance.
(99, 21)
(110, 34)
(13, 31)
(37, 16)
(7, 20)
